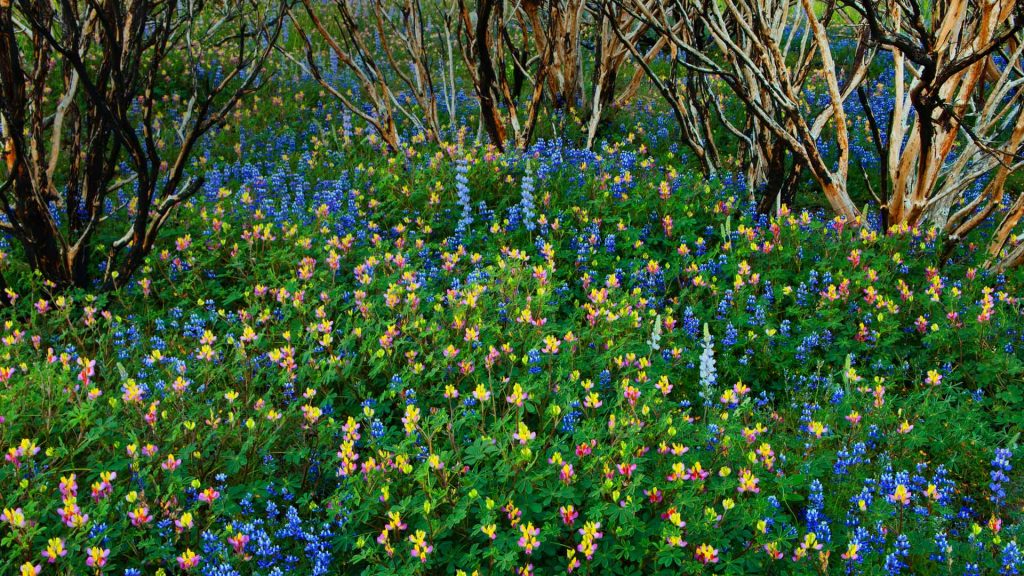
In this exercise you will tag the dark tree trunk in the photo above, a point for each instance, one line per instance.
(488, 78)
(782, 182)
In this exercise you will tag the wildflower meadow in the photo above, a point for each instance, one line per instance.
(448, 356)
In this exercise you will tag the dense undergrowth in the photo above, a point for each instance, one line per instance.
(452, 360)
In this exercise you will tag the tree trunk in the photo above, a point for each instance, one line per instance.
(489, 113)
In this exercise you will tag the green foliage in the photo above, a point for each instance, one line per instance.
(347, 378)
